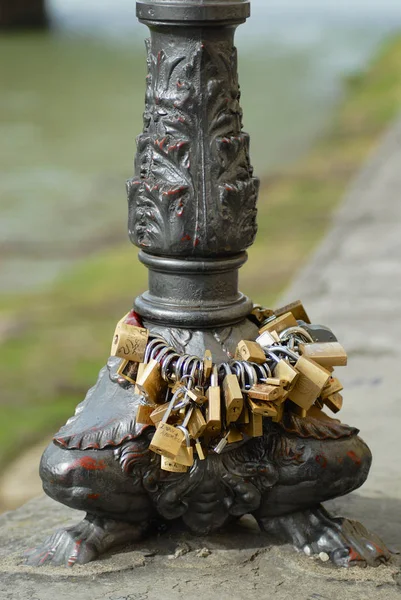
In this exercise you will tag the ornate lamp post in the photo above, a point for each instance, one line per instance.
(210, 408)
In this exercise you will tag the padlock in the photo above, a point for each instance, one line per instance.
(285, 372)
(243, 419)
(196, 424)
(222, 444)
(150, 383)
(255, 426)
(200, 451)
(167, 464)
(334, 402)
(275, 381)
(250, 351)
(332, 387)
(297, 410)
(158, 413)
(167, 439)
(326, 354)
(296, 308)
(265, 392)
(312, 379)
(280, 412)
(128, 370)
(129, 341)
(234, 400)
(319, 333)
(143, 413)
(280, 323)
(207, 364)
(260, 313)
(316, 413)
(234, 436)
(266, 409)
(185, 454)
(197, 396)
(268, 339)
(213, 409)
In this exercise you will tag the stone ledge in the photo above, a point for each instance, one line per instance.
(239, 563)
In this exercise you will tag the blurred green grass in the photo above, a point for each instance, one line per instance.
(55, 341)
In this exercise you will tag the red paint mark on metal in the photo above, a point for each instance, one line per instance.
(73, 558)
(351, 454)
(93, 496)
(186, 238)
(322, 460)
(89, 464)
(133, 319)
(354, 555)
(196, 242)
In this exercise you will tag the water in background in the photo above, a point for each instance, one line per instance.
(71, 106)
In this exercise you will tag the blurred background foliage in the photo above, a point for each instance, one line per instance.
(320, 85)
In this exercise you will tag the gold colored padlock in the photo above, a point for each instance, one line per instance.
(243, 419)
(285, 372)
(196, 424)
(326, 354)
(266, 393)
(143, 414)
(261, 313)
(280, 323)
(213, 409)
(280, 412)
(150, 383)
(159, 412)
(207, 364)
(312, 379)
(170, 465)
(296, 308)
(128, 370)
(250, 351)
(333, 386)
(334, 402)
(167, 440)
(233, 397)
(200, 451)
(255, 426)
(266, 409)
(129, 342)
(234, 436)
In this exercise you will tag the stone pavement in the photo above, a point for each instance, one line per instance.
(352, 284)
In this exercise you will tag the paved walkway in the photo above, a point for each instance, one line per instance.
(352, 284)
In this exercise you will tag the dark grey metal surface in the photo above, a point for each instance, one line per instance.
(192, 201)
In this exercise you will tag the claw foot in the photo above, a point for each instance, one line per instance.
(347, 543)
(83, 542)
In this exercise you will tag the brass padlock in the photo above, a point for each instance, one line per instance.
(196, 424)
(332, 387)
(129, 342)
(261, 313)
(266, 409)
(280, 323)
(200, 451)
(213, 409)
(234, 400)
(197, 396)
(312, 379)
(167, 439)
(234, 436)
(207, 364)
(334, 402)
(185, 454)
(243, 419)
(128, 370)
(158, 413)
(316, 413)
(326, 354)
(266, 393)
(255, 426)
(280, 412)
(296, 308)
(170, 465)
(285, 372)
(250, 351)
(297, 410)
(150, 383)
(143, 413)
